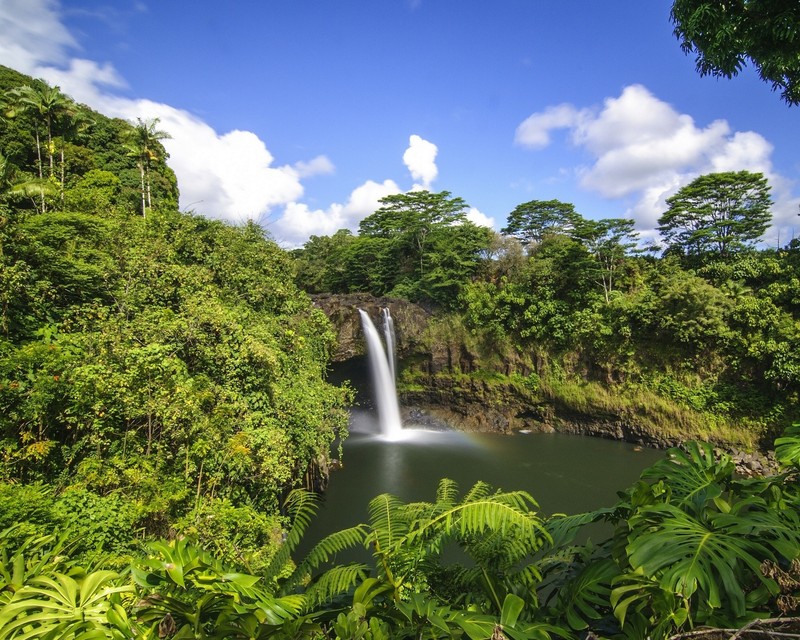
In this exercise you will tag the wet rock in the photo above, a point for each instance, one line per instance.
(342, 310)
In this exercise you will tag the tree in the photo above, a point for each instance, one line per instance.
(48, 105)
(725, 35)
(143, 144)
(427, 246)
(717, 212)
(608, 240)
(533, 220)
(322, 265)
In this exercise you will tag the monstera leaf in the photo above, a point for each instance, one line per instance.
(706, 559)
(695, 475)
(585, 598)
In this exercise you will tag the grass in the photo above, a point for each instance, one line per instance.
(656, 413)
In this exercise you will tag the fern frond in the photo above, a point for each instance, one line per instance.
(521, 500)
(388, 520)
(334, 582)
(301, 506)
(480, 491)
(324, 551)
(447, 492)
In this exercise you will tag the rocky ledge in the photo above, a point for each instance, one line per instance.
(342, 309)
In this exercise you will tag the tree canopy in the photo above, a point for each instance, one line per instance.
(724, 36)
(718, 212)
(532, 221)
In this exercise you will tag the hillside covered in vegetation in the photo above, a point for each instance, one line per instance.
(696, 338)
(158, 370)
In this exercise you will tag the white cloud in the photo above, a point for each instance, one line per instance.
(643, 151)
(31, 33)
(232, 175)
(298, 221)
(420, 158)
(534, 132)
(478, 217)
(316, 166)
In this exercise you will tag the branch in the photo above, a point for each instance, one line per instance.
(753, 629)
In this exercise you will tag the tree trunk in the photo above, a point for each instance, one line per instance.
(144, 203)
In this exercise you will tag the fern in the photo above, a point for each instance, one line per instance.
(388, 521)
(301, 506)
(334, 582)
(446, 492)
(324, 551)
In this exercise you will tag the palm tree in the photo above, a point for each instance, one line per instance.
(143, 145)
(48, 105)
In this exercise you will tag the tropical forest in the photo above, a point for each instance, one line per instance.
(170, 413)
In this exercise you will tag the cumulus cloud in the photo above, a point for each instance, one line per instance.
(643, 151)
(420, 158)
(479, 218)
(534, 132)
(316, 166)
(298, 221)
(230, 175)
(31, 33)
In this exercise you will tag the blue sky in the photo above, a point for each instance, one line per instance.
(301, 114)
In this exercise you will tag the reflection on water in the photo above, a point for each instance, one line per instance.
(565, 474)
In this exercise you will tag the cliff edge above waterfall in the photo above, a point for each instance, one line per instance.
(451, 374)
(411, 320)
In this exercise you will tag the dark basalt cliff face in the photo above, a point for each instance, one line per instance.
(447, 382)
(410, 322)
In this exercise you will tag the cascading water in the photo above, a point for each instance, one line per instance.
(383, 380)
(388, 334)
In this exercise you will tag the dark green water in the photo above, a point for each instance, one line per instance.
(565, 474)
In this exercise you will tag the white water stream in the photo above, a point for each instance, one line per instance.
(383, 377)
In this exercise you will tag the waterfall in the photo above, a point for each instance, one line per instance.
(383, 380)
(388, 334)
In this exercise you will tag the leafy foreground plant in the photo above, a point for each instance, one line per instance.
(694, 546)
(695, 552)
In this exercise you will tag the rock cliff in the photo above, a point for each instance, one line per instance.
(447, 379)
(342, 310)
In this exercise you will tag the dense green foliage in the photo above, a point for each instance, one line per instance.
(717, 212)
(158, 371)
(701, 342)
(725, 36)
(161, 375)
(418, 245)
(689, 546)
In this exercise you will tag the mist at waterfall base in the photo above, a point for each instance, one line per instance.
(565, 474)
